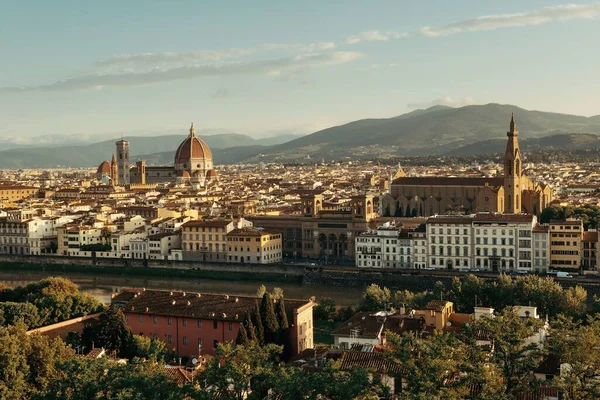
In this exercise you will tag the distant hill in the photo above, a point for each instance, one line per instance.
(438, 130)
(140, 147)
(570, 141)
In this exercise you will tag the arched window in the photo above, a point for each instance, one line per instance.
(517, 204)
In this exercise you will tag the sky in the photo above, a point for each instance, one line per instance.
(270, 67)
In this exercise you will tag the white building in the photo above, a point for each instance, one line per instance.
(541, 248)
(450, 241)
(419, 248)
(385, 247)
(31, 236)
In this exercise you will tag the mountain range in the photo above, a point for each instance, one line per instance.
(438, 130)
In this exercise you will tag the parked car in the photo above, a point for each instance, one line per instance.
(561, 274)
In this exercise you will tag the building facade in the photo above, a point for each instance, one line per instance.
(254, 246)
(193, 324)
(565, 243)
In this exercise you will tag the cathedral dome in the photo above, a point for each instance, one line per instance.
(103, 169)
(192, 148)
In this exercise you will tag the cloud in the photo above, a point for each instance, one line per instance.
(97, 81)
(374, 67)
(537, 17)
(220, 93)
(370, 36)
(442, 101)
(128, 61)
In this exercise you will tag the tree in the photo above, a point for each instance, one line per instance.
(257, 321)
(24, 312)
(149, 348)
(284, 330)
(242, 336)
(269, 319)
(325, 310)
(375, 298)
(112, 332)
(513, 353)
(571, 341)
(261, 291)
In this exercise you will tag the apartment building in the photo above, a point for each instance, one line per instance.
(72, 239)
(384, 247)
(566, 243)
(16, 192)
(418, 241)
(206, 240)
(30, 237)
(503, 241)
(254, 245)
(541, 248)
(589, 250)
(450, 241)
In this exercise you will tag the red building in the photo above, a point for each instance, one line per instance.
(193, 323)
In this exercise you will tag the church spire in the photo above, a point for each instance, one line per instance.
(192, 130)
(513, 126)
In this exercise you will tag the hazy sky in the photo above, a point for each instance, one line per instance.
(261, 67)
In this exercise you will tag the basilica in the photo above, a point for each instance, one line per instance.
(193, 165)
(513, 192)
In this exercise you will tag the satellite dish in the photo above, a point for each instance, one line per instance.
(194, 361)
(448, 323)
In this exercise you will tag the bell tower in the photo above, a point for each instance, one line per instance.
(512, 171)
(114, 171)
(123, 161)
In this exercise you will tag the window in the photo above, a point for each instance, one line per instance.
(184, 322)
(199, 323)
(170, 339)
(230, 326)
(169, 321)
(185, 340)
(154, 319)
(215, 324)
(140, 318)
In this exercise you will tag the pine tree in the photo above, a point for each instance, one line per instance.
(257, 320)
(242, 336)
(269, 319)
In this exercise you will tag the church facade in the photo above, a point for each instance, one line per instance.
(513, 192)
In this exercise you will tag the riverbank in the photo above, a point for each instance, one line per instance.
(151, 272)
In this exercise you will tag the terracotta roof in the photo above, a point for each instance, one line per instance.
(192, 305)
(252, 232)
(364, 324)
(541, 229)
(445, 181)
(207, 223)
(103, 168)
(192, 148)
(498, 217)
(179, 375)
(436, 305)
(464, 220)
(590, 236)
(371, 361)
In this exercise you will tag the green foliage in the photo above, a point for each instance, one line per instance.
(325, 310)
(242, 336)
(375, 298)
(26, 313)
(27, 362)
(262, 289)
(56, 299)
(544, 292)
(258, 324)
(111, 332)
(589, 214)
(269, 319)
(149, 348)
(572, 342)
(83, 379)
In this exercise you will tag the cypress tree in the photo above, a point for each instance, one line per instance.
(269, 319)
(257, 320)
(282, 315)
(284, 333)
(251, 331)
(242, 336)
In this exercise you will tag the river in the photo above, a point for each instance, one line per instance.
(103, 286)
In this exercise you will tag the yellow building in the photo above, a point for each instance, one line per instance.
(254, 246)
(206, 239)
(566, 243)
(16, 193)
